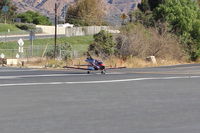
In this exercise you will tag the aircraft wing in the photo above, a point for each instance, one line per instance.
(83, 65)
(115, 67)
(80, 68)
(83, 68)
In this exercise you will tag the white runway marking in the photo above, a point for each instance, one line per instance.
(51, 75)
(96, 82)
(32, 76)
(136, 79)
(7, 70)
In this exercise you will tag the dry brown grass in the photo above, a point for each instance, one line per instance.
(134, 62)
(131, 62)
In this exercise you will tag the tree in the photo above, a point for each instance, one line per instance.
(34, 17)
(86, 12)
(155, 3)
(149, 5)
(103, 44)
(198, 2)
(183, 17)
(4, 2)
(144, 6)
(181, 14)
(145, 15)
(10, 14)
(140, 17)
(123, 17)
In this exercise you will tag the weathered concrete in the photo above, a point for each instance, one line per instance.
(12, 61)
(88, 30)
(51, 29)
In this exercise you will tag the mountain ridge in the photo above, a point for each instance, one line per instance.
(46, 7)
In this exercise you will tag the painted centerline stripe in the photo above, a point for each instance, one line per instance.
(96, 82)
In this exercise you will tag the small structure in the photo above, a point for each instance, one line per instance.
(12, 62)
(66, 25)
(151, 59)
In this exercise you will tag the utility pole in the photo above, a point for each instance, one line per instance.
(55, 47)
(31, 38)
(5, 19)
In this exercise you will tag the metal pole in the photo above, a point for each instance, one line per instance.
(55, 48)
(32, 47)
(31, 39)
(5, 18)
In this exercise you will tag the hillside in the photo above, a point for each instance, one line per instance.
(46, 7)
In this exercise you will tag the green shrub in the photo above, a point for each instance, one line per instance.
(63, 50)
(34, 17)
(184, 20)
(103, 44)
(25, 26)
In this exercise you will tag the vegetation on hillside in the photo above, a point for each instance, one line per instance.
(184, 20)
(9, 13)
(34, 17)
(179, 19)
(167, 29)
(135, 40)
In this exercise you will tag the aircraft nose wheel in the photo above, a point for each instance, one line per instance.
(103, 72)
(88, 72)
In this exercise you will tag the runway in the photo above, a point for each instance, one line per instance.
(142, 100)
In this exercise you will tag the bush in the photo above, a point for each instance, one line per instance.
(103, 44)
(77, 22)
(25, 26)
(183, 17)
(3, 61)
(63, 50)
(144, 18)
(38, 30)
(34, 17)
(142, 42)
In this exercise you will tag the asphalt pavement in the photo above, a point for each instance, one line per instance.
(6, 38)
(143, 100)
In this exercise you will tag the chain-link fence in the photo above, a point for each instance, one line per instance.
(38, 51)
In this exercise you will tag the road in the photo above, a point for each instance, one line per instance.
(6, 38)
(148, 100)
